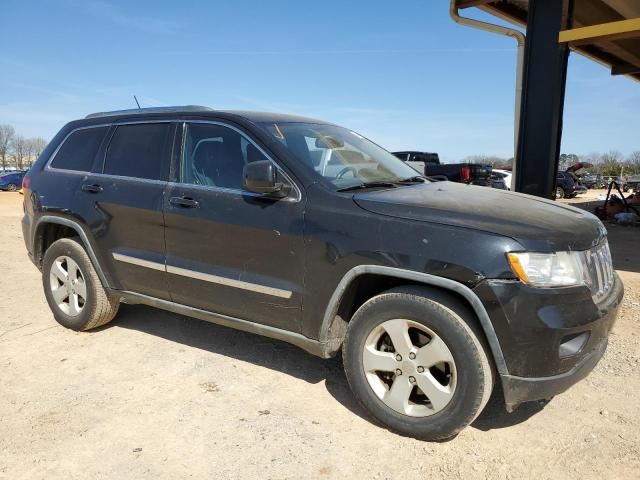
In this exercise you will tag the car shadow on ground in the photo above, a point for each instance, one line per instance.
(282, 357)
(494, 416)
(246, 347)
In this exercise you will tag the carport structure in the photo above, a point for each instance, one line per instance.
(606, 31)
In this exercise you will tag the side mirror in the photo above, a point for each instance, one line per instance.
(262, 177)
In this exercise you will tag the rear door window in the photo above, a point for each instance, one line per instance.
(140, 151)
(79, 150)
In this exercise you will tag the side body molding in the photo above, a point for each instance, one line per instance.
(83, 236)
(424, 278)
(326, 346)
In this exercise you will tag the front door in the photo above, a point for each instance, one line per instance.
(230, 251)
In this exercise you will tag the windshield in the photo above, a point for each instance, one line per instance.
(341, 156)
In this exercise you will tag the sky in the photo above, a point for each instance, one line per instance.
(401, 73)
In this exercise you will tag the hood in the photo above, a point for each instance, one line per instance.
(579, 168)
(537, 224)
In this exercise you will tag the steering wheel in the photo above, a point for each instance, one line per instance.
(344, 171)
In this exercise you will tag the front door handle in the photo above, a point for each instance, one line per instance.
(92, 188)
(184, 202)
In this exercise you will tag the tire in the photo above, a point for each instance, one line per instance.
(560, 193)
(459, 397)
(12, 187)
(81, 303)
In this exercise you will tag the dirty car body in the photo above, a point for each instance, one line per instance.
(296, 267)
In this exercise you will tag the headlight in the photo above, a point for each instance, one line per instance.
(560, 269)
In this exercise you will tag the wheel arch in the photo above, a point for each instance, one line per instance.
(334, 325)
(50, 228)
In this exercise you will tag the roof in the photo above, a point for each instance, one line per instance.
(141, 111)
(259, 117)
(607, 31)
(201, 111)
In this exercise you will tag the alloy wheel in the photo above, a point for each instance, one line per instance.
(409, 368)
(68, 286)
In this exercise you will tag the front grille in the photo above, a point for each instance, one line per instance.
(600, 274)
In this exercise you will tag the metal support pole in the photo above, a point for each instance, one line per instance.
(544, 78)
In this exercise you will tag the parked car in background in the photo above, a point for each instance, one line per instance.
(567, 187)
(469, 173)
(497, 181)
(621, 181)
(307, 232)
(11, 181)
(633, 183)
(418, 160)
(429, 164)
(592, 180)
(505, 175)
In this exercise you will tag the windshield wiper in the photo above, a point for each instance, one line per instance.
(416, 179)
(362, 186)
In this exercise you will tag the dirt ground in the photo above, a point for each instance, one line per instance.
(157, 395)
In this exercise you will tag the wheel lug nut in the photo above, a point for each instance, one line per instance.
(412, 356)
(420, 369)
(398, 372)
(399, 357)
(412, 379)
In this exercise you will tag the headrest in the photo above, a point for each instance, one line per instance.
(207, 152)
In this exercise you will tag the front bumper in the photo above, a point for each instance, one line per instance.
(518, 390)
(533, 327)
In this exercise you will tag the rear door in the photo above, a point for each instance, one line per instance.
(231, 251)
(125, 196)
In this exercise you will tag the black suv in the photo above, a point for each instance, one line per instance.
(567, 187)
(309, 233)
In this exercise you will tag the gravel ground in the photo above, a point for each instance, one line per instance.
(157, 395)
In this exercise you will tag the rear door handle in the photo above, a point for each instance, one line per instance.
(92, 188)
(184, 202)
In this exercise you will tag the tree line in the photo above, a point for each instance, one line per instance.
(609, 164)
(18, 151)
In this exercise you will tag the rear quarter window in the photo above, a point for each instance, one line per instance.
(139, 151)
(79, 150)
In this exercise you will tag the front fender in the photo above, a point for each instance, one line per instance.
(331, 345)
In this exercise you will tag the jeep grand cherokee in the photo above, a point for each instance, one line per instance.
(307, 232)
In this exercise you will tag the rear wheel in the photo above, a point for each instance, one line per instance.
(416, 365)
(559, 193)
(73, 289)
(12, 187)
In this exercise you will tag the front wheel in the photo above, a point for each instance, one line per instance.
(416, 365)
(12, 187)
(73, 289)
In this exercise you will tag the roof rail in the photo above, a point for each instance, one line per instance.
(134, 111)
